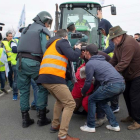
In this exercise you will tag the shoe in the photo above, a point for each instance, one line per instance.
(117, 128)
(128, 119)
(68, 138)
(43, 120)
(133, 126)
(115, 110)
(13, 97)
(26, 121)
(5, 91)
(37, 113)
(10, 89)
(1, 92)
(100, 122)
(87, 129)
(16, 97)
(33, 107)
(80, 113)
(54, 130)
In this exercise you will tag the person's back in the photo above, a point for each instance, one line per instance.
(105, 72)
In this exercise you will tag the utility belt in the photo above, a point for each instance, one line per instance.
(27, 55)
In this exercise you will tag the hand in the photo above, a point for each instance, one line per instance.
(78, 46)
(6, 51)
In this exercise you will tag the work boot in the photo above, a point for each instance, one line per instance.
(128, 119)
(100, 122)
(68, 138)
(26, 121)
(133, 126)
(37, 113)
(43, 120)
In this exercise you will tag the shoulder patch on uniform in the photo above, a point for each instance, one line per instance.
(47, 37)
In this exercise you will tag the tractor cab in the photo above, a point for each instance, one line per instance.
(83, 15)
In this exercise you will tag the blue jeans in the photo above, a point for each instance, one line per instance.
(10, 75)
(35, 90)
(15, 89)
(2, 79)
(102, 96)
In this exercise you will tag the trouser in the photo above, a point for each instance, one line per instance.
(64, 100)
(29, 70)
(132, 98)
(10, 75)
(15, 90)
(2, 79)
(102, 96)
(35, 90)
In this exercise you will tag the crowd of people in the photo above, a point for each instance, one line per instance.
(81, 78)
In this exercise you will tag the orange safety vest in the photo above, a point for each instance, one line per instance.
(53, 62)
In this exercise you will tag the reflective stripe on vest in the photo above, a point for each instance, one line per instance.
(2, 66)
(83, 23)
(107, 45)
(14, 55)
(53, 62)
(8, 48)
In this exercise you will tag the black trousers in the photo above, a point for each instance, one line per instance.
(132, 98)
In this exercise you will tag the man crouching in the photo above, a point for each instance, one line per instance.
(112, 84)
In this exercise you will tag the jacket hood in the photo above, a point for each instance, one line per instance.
(97, 57)
(106, 25)
(37, 20)
(51, 40)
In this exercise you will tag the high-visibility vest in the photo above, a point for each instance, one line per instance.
(53, 62)
(107, 45)
(8, 48)
(2, 65)
(14, 55)
(83, 23)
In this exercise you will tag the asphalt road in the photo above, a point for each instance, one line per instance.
(11, 129)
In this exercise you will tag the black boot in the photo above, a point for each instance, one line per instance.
(26, 121)
(43, 120)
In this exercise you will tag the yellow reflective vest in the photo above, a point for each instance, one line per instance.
(14, 55)
(2, 65)
(8, 48)
(83, 23)
(107, 45)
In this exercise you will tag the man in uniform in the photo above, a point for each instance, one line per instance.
(31, 47)
(81, 21)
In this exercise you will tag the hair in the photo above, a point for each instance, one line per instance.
(9, 32)
(137, 34)
(83, 46)
(92, 49)
(62, 33)
(71, 28)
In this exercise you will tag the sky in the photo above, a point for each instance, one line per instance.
(128, 12)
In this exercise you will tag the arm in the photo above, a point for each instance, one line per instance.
(44, 39)
(110, 48)
(89, 76)
(65, 48)
(126, 57)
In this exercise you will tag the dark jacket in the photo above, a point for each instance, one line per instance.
(126, 58)
(64, 48)
(103, 72)
(106, 25)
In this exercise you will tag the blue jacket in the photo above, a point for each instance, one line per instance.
(106, 25)
(104, 73)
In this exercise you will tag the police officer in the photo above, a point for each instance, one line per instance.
(31, 47)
